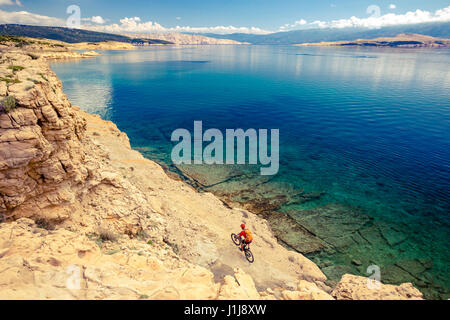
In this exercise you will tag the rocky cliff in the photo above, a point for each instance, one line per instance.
(187, 39)
(83, 216)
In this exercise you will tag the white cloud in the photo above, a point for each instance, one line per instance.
(297, 23)
(392, 6)
(98, 19)
(10, 3)
(134, 25)
(390, 19)
(25, 17)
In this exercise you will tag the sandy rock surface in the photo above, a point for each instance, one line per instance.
(355, 288)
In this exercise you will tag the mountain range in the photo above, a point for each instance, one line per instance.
(438, 29)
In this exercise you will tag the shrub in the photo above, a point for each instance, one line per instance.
(34, 56)
(43, 77)
(32, 80)
(10, 80)
(45, 224)
(7, 104)
(16, 68)
(107, 235)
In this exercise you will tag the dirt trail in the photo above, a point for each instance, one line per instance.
(199, 225)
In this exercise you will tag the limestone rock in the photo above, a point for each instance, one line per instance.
(356, 288)
(239, 287)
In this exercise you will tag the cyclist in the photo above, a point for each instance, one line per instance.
(247, 235)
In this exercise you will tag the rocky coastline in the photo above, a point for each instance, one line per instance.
(84, 216)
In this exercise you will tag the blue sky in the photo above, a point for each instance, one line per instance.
(267, 15)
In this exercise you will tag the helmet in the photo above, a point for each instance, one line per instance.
(242, 226)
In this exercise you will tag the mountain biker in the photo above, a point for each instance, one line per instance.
(247, 235)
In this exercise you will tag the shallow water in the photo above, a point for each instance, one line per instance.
(364, 142)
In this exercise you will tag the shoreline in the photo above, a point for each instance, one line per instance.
(86, 176)
(309, 238)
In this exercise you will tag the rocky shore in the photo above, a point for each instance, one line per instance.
(84, 216)
(399, 41)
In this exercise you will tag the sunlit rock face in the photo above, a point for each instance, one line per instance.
(40, 139)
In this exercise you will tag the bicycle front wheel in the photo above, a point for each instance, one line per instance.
(235, 239)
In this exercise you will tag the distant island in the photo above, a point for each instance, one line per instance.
(186, 39)
(68, 35)
(400, 41)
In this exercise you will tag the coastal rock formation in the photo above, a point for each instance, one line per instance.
(355, 288)
(61, 264)
(104, 45)
(41, 156)
(401, 41)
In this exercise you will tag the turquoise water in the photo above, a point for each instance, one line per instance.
(367, 129)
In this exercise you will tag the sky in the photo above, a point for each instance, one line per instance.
(223, 16)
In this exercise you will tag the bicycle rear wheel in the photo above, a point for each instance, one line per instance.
(249, 256)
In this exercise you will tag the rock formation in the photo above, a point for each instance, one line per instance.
(400, 41)
(355, 288)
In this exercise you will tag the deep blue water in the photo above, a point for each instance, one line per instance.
(369, 127)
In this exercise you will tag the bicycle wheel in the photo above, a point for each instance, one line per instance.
(249, 256)
(236, 240)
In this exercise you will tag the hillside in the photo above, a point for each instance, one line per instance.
(188, 39)
(401, 41)
(71, 35)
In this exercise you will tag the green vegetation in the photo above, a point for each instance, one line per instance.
(10, 80)
(16, 68)
(32, 80)
(43, 77)
(17, 40)
(7, 104)
(144, 296)
(101, 236)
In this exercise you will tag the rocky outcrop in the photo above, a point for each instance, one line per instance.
(400, 41)
(356, 288)
(104, 45)
(61, 264)
(41, 156)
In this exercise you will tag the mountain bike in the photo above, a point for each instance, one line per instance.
(248, 254)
